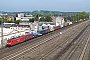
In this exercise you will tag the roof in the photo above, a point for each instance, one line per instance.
(17, 25)
(10, 16)
(7, 25)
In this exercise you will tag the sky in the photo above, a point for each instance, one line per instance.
(50, 5)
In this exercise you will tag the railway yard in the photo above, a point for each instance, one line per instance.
(69, 43)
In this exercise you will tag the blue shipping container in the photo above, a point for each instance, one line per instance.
(42, 31)
(35, 34)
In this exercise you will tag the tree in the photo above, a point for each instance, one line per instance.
(48, 19)
(36, 17)
(42, 18)
(18, 21)
(10, 21)
(82, 15)
(73, 18)
(5, 19)
(0, 20)
(65, 19)
(32, 20)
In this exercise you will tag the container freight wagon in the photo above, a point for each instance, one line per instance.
(35, 34)
(56, 27)
(47, 30)
(63, 25)
(44, 27)
(28, 36)
(42, 32)
(52, 29)
(67, 24)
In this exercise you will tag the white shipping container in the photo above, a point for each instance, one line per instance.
(70, 23)
(62, 26)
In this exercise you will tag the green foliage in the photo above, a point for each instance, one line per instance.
(73, 18)
(10, 21)
(34, 59)
(48, 19)
(65, 18)
(18, 21)
(43, 18)
(36, 17)
(0, 20)
(5, 19)
(83, 15)
(31, 20)
(89, 55)
(79, 16)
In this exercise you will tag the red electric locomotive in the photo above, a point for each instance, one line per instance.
(14, 41)
(19, 39)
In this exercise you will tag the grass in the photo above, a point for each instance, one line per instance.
(89, 55)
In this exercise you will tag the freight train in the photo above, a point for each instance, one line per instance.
(29, 36)
(19, 39)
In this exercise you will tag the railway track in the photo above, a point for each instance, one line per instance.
(26, 46)
(33, 47)
(48, 44)
(47, 54)
(18, 47)
(84, 50)
(72, 52)
(60, 54)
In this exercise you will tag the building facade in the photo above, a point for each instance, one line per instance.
(89, 17)
(22, 17)
(59, 20)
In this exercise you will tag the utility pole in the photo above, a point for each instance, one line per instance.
(78, 17)
(39, 41)
(2, 33)
(38, 22)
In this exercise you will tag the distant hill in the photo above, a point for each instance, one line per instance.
(43, 12)
(54, 12)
